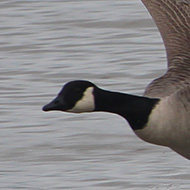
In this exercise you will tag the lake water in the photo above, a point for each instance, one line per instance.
(45, 44)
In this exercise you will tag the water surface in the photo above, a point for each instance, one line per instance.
(44, 44)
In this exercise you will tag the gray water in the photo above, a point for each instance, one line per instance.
(44, 44)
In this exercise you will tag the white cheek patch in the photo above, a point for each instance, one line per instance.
(86, 104)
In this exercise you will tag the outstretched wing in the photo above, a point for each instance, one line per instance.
(172, 18)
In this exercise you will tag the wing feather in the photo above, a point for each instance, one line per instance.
(172, 18)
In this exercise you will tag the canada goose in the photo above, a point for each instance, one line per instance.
(162, 115)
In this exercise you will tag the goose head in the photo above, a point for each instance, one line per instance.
(84, 96)
(75, 96)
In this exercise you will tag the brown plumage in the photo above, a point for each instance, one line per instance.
(172, 18)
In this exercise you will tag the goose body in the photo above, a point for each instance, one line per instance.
(162, 115)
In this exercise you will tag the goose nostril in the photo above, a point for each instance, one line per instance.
(56, 102)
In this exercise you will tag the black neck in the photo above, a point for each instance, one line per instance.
(134, 109)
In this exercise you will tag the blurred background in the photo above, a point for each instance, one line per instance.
(43, 45)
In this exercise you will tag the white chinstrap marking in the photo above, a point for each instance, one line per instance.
(86, 104)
